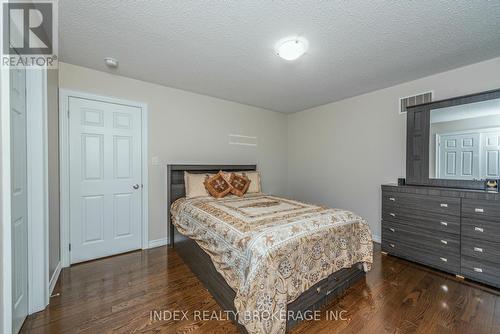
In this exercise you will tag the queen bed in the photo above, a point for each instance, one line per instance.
(266, 260)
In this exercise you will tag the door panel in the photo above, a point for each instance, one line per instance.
(459, 156)
(122, 220)
(19, 202)
(491, 154)
(122, 158)
(93, 156)
(105, 164)
(93, 219)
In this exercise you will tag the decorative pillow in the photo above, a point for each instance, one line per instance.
(217, 185)
(240, 184)
(195, 184)
(254, 178)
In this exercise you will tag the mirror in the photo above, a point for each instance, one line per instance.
(465, 141)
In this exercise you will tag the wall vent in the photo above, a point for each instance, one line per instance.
(410, 101)
(242, 140)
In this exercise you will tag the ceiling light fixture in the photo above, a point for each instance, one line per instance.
(291, 48)
(111, 62)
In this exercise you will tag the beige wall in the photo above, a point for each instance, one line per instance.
(340, 153)
(190, 128)
(53, 177)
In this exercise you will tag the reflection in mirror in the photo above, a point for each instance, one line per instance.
(465, 141)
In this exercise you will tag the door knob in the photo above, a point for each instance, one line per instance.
(135, 186)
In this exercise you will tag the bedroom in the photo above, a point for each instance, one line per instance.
(141, 92)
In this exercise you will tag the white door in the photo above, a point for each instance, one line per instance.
(459, 156)
(19, 204)
(491, 155)
(105, 179)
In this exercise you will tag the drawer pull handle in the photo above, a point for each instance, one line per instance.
(478, 270)
(444, 242)
(477, 249)
(318, 290)
(392, 214)
(479, 210)
(478, 229)
(444, 259)
(444, 205)
(444, 223)
(392, 230)
(392, 245)
(392, 199)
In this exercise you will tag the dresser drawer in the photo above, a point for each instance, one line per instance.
(481, 249)
(482, 271)
(441, 260)
(481, 229)
(424, 219)
(436, 204)
(422, 238)
(481, 209)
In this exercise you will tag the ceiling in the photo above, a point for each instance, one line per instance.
(226, 48)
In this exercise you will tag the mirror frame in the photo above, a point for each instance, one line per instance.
(417, 141)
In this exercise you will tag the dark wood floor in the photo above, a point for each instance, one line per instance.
(116, 295)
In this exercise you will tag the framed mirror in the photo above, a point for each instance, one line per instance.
(455, 142)
(465, 141)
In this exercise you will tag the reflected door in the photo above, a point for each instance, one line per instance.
(105, 179)
(458, 156)
(491, 154)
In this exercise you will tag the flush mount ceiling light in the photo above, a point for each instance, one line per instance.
(291, 48)
(111, 62)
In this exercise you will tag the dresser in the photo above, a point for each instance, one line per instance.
(453, 230)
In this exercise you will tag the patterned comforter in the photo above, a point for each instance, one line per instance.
(270, 250)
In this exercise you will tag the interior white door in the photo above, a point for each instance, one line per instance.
(105, 179)
(19, 204)
(491, 155)
(459, 156)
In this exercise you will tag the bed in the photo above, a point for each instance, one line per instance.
(266, 260)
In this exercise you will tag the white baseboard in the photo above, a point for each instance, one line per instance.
(157, 243)
(54, 278)
(377, 238)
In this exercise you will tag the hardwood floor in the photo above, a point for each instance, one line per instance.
(117, 295)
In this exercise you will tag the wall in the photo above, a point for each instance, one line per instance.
(340, 153)
(190, 128)
(53, 174)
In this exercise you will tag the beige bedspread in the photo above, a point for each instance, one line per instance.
(270, 249)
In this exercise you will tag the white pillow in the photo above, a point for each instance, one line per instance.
(255, 186)
(194, 184)
(254, 177)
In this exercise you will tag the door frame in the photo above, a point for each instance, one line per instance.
(5, 234)
(64, 96)
(37, 189)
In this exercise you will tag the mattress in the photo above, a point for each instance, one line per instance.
(271, 249)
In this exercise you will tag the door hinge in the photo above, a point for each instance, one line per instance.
(70, 247)
(67, 113)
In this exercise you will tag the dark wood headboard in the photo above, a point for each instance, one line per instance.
(175, 183)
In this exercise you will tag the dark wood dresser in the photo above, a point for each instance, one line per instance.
(453, 230)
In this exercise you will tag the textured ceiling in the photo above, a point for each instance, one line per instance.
(226, 48)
